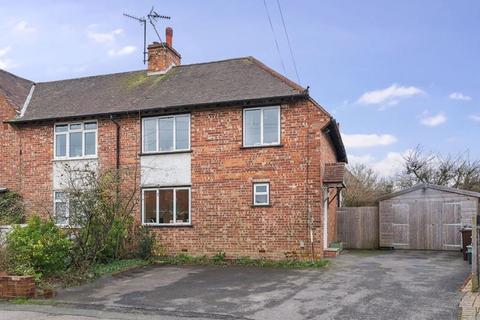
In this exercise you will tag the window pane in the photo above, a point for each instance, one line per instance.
(181, 132)
(261, 188)
(150, 135)
(166, 206)
(76, 126)
(61, 196)
(61, 128)
(90, 142)
(150, 209)
(165, 126)
(252, 127)
(182, 206)
(61, 213)
(270, 126)
(261, 199)
(60, 145)
(76, 144)
(90, 125)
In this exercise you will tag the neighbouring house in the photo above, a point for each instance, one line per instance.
(233, 156)
(426, 217)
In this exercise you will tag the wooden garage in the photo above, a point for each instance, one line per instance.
(426, 217)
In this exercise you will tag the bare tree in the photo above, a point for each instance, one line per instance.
(452, 171)
(101, 206)
(364, 186)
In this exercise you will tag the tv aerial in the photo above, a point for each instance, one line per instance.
(152, 18)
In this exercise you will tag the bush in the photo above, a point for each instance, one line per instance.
(146, 243)
(11, 208)
(40, 248)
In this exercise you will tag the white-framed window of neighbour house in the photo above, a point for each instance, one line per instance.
(76, 140)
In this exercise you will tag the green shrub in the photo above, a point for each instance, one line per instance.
(40, 248)
(218, 258)
(146, 243)
(11, 208)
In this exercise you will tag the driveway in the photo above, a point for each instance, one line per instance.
(357, 285)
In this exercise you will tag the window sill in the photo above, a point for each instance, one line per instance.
(178, 225)
(75, 159)
(263, 146)
(164, 152)
(261, 205)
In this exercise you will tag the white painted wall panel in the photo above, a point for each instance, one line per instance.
(166, 169)
(64, 169)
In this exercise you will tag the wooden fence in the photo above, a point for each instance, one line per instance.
(357, 227)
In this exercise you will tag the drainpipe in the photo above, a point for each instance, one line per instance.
(117, 148)
(117, 161)
(307, 187)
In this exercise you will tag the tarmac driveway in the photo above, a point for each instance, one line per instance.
(357, 285)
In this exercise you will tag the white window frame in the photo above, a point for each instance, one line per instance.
(67, 205)
(262, 110)
(175, 223)
(157, 140)
(255, 193)
(67, 143)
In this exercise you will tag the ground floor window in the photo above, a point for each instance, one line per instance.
(166, 206)
(261, 194)
(66, 211)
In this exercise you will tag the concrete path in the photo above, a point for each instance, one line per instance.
(357, 285)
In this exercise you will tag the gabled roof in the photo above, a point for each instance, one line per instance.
(333, 132)
(14, 88)
(430, 186)
(182, 86)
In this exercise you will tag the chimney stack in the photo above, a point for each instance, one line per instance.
(162, 56)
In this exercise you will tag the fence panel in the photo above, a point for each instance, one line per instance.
(357, 227)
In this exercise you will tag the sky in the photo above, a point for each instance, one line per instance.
(394, 74)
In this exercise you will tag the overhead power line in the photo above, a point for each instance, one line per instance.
(288, 40)
(274, 36)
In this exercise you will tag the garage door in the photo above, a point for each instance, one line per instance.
(427, 225)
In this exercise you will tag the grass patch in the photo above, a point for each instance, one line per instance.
(219, 259)
(20, 300)
(118, 266)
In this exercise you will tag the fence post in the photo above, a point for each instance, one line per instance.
(474, 253)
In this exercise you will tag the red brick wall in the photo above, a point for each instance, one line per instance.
(9, 148)
(223, 218)
(17, 286)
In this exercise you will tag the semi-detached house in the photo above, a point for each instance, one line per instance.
(233, 156)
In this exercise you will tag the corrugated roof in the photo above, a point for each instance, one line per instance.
(14, 88)
(185, 85)
(429, 186)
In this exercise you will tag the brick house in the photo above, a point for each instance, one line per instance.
(234, 157)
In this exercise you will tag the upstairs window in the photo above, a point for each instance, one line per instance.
(166, 134)
(261, 126)
(76, 140)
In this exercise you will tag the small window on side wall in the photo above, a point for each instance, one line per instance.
(261, 194)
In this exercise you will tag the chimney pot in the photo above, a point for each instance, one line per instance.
(169, 36)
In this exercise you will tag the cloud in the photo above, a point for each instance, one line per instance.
(23, 27)
(389, 96)
(367, 140)
(104, 37)
(5, 63)
(433, 121)
(390, 165)
(459, 96)
(474, 117)
(122, 51)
